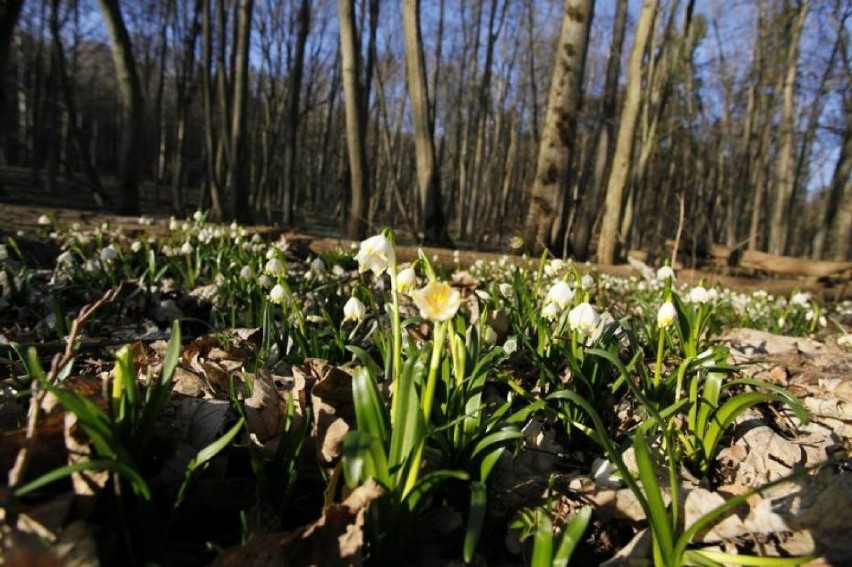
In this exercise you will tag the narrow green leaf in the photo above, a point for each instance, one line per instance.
(542, 555)
(475, 519)
(747, 560)
(571, 536)
(659, 516)
(137, 482)
(428, 483)
(370, 410)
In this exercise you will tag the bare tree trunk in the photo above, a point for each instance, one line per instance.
(238, 178)
(560, 127)
(292, 117)
(9, 12)
(131, 95)
(58, 54)
(433, 226)
(604, 136)
(785, 162)
(624, 144)
(350, 53)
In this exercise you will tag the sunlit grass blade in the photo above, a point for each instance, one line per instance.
(542, 555)
(136, 480)
(658, 516)
(475, 520)
(370, 411)
(571, 536)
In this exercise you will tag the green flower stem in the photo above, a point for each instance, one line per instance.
(396, 331)
(434, 364)
(658, 367)
(428, 396)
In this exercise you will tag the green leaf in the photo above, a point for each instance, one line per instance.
(571, 536)
(475, 520)
(748, 560)
(658, 515)
(370, 410)
(138, 483)
(203, 457)
(542, 555)
(428, 483)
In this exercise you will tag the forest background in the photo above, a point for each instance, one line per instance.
(580, 126)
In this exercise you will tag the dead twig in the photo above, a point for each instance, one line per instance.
(60, 361)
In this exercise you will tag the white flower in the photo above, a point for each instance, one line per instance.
(65, 259)
(666, 315)
(173, 224)
(318, 266)
(699, 295)
(665, 272)
(438, 301)
(186, 249)
(354, 310)
(274, 267)
(277, 294)
(583, 318)
(550, 311)
(264, 281)
(801, 299)
(406, 280)
(108, 254)
(197, 216)
(136, 246)
(44, 220)
(587, 282)
(246, 273)
(506, 290)
(376, 254)
(561, 294)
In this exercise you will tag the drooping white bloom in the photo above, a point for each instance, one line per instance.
(801, 299)
(406, 280)
(173, 224)
(136, 246)
(277, 294)
(44, 220)
(375, 254)
(318, 266)
(666, 315)
(583, 318)
(246, 272)
(186, 249)
(561, 294)
(550, 311)
(699, 294)
(506, 290)
(438, 301)
(274, 267)
(65, 259)
(354, 310)
(108, 254)
(587, 282)
(197, 216)
(664, 273)
(264, 281)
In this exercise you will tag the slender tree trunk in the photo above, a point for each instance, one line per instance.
(238, 174)
(9, 13)
(433, 226)
(785, 162)
(604, 136)
(834, 239)
(292, 117)
(131, 95)
(560, 127)
(350, 53)
(622, 158)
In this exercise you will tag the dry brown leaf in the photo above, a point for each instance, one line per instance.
(263, 409)
(333, 409)
(337, 538)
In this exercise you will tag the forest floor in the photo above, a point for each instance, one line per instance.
(809, 516)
